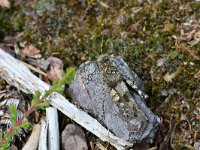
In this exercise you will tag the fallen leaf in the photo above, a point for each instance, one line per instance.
(30, 50)
(186, 51)
(81, 56)
(55, 68)
(185, 37)
(73, 138)
(168, 26)
(13, 39)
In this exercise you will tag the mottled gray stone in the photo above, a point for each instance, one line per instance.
(128, 118)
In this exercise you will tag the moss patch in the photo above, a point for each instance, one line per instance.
(159, 40)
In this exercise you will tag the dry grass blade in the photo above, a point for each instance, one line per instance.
(5, 3)
(186, 51)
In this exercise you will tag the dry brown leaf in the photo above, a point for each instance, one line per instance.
(185, 50)
(13, 39)
(81, 56)
(55, 68)
(185, 37)
(73, 138)
(168, 26)
(30, 50)
(5, 3)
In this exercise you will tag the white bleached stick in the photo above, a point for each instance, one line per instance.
(43, 136)
(53, 129)
(17, 74)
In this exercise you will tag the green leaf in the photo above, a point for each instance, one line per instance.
(59, 89)
(25, 125)
(4, 146)
(13, 111)
(56, 87)
(43, 105)
(36, 97)
(69, 76)
(1, 136)
(55, 84)
(18, 130)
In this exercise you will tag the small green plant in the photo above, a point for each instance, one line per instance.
(38, 102)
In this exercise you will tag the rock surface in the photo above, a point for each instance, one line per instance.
(112, 93)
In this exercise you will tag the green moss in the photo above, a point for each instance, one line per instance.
(78, 31)
(12, 20)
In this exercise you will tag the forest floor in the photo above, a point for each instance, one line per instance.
(160, 40)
